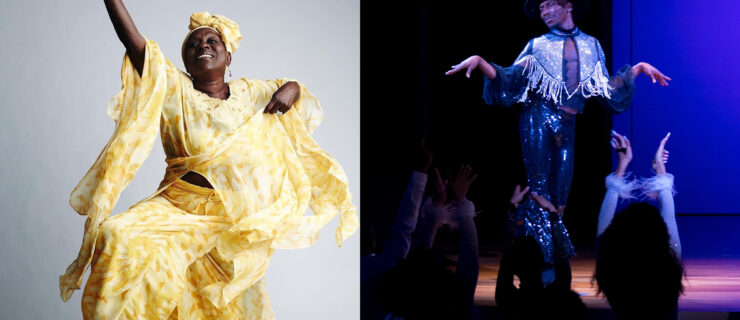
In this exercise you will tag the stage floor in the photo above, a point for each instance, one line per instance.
(711, 285)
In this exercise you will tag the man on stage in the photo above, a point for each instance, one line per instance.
(553, 77)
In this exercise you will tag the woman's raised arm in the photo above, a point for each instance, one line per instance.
(128, 34)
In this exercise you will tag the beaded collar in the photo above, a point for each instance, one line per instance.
(566, 33)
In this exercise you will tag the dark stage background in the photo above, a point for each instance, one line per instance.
(406, 47)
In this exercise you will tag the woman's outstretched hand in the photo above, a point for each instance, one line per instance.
(128, 34)
(661, 156)
(284, 98)
(652, 72)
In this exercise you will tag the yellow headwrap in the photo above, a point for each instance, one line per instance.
(228, 29)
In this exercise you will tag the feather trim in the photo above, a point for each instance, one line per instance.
(621, 185)
(651, 186)
(451, 213)
(444, 215)
(597, 84)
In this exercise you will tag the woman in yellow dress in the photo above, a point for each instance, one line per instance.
(238, 180)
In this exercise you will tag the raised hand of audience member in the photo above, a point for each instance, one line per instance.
(623, 147)
(661, 156)
(460, 183)
(440, 188)
(518, 195)
(543, 203)
(423, 158)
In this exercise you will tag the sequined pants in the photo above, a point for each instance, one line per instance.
(153, 260)
(547, 135)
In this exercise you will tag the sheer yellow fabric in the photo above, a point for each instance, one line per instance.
(266, 169)
(153, 260)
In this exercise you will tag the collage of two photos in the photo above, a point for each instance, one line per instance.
(361, 160)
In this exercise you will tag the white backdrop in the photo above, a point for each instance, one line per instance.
(60, 64)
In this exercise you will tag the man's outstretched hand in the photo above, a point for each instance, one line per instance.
(652, 72)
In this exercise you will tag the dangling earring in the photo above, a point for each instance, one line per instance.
(229, 70)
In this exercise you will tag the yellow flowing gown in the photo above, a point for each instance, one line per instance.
(188, 252)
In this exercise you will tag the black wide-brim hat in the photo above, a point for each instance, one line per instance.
(532, 8)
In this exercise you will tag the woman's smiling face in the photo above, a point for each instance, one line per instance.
(205, 52)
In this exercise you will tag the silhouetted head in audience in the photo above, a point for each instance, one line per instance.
(526, 260)
(636, 269)
(555, 303)
(533, 301)
(421, 287)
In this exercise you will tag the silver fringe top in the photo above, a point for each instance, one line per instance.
(542, 59)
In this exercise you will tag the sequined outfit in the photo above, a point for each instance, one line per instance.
(545, 83)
